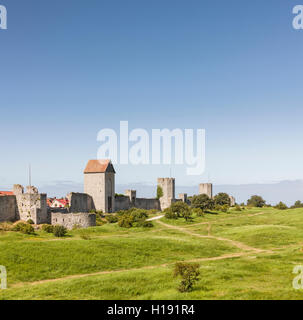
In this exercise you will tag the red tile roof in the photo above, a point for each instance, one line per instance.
(98, 166)
(63, 201)
(6, 193)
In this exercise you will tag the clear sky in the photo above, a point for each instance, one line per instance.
(71, 68)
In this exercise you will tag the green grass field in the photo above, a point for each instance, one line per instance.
(243, 255)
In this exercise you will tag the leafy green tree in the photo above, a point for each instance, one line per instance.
(298, 204)
(203, 202)
(281, 206)
(189, 273)
(125, 221)
(197, 212)
(48, 228)
(181, 209)
(221, 199)
(256, 201)
(169, 214)
(159, 192)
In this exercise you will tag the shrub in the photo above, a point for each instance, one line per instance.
(189, 273)
(125, 221)
(181, 209)
(298, 204)
(237, 208)
(28, 229)
(203, 202)
(221, 199)
(19, 226)
(224, 208)
(281, 206)
(111, 218)
(256, 201)
(147, 224)
(48, 228)
(30, 221)
(138, 215)
(59, 231)
(169, 214)
(198, 212)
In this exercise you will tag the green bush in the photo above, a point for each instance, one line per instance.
(125, 221)
(221, 199)
(298, 204)
(169, 214)
(197, 212)
(139, 215)
(181, 209)
(24, 228)
(189, 273)
(111, 218)
(281, 206)
(30, 221)
(59, 231)
(19, 226)
(48, 228)
(147, 224)
(237, 208)
(224, 208)
(28, 229)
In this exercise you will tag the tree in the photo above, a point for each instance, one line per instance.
(281, 206)
(159, 192)
(181, 209)
(298, 204)
(125, 221)
(221, 199)
(256, 201)
(203, 202)
(189, 273)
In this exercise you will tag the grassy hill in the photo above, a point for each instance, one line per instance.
(243, 255)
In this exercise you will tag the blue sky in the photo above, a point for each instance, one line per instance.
(71, 68)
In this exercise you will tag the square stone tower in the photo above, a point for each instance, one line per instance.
(206, 188)
(99, 183)
(168, 188)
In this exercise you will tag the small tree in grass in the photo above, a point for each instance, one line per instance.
(159, 192)
(59, 231)
(202, 201)
(256, 201)
(181, 209)
(222, 199)
(189, 273)
(281, 206)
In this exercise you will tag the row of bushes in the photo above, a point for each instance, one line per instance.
(58, 231)
(131, 218)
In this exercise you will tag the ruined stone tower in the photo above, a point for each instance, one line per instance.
(206, 188)
(99, 183)
(168, 188)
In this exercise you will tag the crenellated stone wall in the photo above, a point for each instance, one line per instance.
(80, 202)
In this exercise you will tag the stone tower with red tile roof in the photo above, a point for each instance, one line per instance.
(99, 183)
